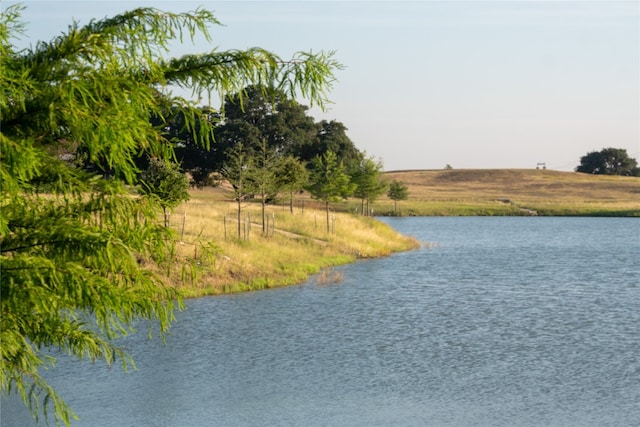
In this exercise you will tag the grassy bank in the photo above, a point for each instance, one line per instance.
(293, 247)
(298, 245)
(514, 192)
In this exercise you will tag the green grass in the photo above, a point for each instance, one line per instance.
(446, 208)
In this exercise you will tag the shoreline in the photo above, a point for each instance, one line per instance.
(212, 260)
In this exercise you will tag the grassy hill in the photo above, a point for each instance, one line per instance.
(514, 192)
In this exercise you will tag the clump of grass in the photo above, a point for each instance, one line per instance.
(629, 208)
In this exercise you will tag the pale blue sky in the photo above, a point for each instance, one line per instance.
(472, 84)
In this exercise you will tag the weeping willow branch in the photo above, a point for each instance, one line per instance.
(74, 238)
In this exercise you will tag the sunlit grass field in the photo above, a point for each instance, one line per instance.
(293, 247)
(514, 192)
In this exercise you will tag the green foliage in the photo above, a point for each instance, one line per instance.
(609, 161)
(397, 191)
(238, 170)
(369, 185)
(71, 279)
(332, 136)
(164, 182)
(279, 136)
(328, 181)
(75, 241)
(193, 148)
(259, 113)
(292, 177)
(264, 176)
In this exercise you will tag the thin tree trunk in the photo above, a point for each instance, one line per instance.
(239, 219)
(184, 220)
(327, 209)
(264, 229)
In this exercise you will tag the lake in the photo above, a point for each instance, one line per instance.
(505, 321)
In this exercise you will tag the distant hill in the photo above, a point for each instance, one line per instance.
(493, 192)
(544, 191)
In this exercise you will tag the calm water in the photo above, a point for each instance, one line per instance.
(499, 322)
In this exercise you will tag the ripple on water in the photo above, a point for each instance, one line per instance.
(505, 322)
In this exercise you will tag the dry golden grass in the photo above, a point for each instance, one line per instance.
(506, 191)
(295, 246)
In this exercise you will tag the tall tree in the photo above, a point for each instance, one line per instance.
(328, 181)
(239, 171)
(274, 118)
(265, 178)
(164, 182)
(397, 191)
(71, 277)
(297, 128)
(193, 152)
(236, 132)
(609, 161)
(292, 177)
(332, 136)
(369, 185)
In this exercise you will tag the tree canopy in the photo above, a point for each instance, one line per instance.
(259, 114)
(397, 191)
(332, 136)
(609, 161)
(367, 178)
(292, 177)
(73, 240)
(238, 170)
(192, 149)
(329, 181)
(164, 182)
